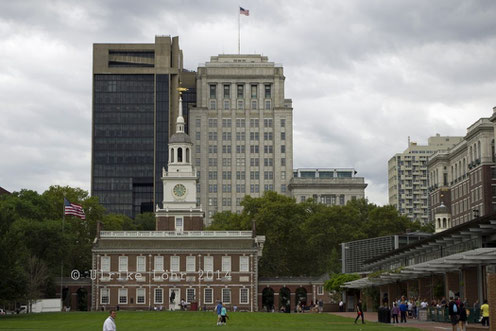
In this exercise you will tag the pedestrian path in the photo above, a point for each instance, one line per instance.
(423, 325)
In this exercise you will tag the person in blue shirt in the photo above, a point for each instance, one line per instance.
(219, 312)
(403, 310)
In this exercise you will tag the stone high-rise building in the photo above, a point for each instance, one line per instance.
(408, 179)
(242, 128)
(134, 111)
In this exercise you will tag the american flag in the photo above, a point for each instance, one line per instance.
(243, 11)
(73, 209)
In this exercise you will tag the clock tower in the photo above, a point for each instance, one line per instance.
(180, 211)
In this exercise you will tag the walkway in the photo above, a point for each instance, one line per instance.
(423, 325)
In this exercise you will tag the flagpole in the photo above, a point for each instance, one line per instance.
(239, 28)
(62, 259)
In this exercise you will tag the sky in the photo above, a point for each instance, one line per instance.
(363, 75)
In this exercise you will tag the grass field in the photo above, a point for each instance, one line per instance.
(184, 321)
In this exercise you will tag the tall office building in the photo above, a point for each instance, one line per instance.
(408, 179)
(135, 105)
(242, 127)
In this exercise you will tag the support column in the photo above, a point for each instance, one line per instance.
(480, 285)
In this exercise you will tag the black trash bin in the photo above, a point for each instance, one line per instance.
(387, 315)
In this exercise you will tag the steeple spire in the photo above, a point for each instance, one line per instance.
(180, 118)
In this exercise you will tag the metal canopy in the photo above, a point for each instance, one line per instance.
(479, 256)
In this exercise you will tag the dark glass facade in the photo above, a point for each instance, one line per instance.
(162, 132)
(123, 141)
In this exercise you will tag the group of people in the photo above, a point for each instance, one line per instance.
(458, 313)
(221, 311)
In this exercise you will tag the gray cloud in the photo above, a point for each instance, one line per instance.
(363, 75)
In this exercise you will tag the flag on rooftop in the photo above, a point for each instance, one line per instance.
(73, 209)
(243, 11)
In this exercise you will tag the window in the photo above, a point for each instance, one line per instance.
(268, 162)
(283, 174)
(341, 199)
(267, 104)
(254, 175)
(141, 263)
(283, 122)
(240, 175)
(254, 188)
(123, 296)
(212, 149)
(226, 136)
(226, 295)
(198, 122)
(212, 175)
(254, 123)
(226, 202)
(213, 91)
(267, 122)
(268, 175)
(255, 149)
(104, 296)
(174, 263)
(268, 91)
(179, 224)
(105, 261)
(226, 263)
(253, 89)
(212, 123)
(240, 188)
(283, 148)
(226, 188)
(213, 104)
(226, 162)
(244, 296)
(240, 105)
(212, 201)
(197, 135)
(159, 296)
(320, 290)
(240, 149)
(226, 122)
(197, 161)
(226, 175)
(140, 295)
(227, 91)
(208, 263)
(122, 263)
(212, 188)
(254, 136)
(253, 104)
(226, 104)
(226, 149)
(212, 135)
(190, 295)
(268, 149)
(244, 264)
(268, 187)
(283, 162)
(283, 188)
(208, 295)
(212, 162)
(254, 162)
(240, 136)
(240, 162)
(159, 263)
(267, 135)
(190, 264)
(240, 122)
(240, 90)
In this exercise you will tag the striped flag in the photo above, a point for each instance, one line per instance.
(73, 209)
(243, 11)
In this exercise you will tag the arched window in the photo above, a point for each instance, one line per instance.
(444, 223)
(187, 155)
(438, 222)
(479, 149)
(172, 155)
(179, 154)
(470, 155)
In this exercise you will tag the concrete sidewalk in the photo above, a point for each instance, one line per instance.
(413, 323)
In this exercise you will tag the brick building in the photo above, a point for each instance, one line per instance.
(145, 270)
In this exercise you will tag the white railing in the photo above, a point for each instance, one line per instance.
(172, 234)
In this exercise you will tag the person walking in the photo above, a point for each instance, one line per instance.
(359, 312)
(485, 313)
(109, 324)
(403, 311)
(395, 312)
(454, 313)
(462, 316)
(341, 306)
(218, 309)
(223, 315)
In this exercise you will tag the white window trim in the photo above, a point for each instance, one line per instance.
(190, 261)
(320, 290)
(210, 265)
(230, 295)
(144, 296)
(158, 258)
(174, 266)
(247, 258)
(247, 296)
(138, 269)
(205, 296)
(194, 293)
(224, 263)
(101, 295)
(155, 296)
(122, 263)
(119, 296)
(104, 266)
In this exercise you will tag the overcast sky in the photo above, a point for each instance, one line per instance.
(363, 75)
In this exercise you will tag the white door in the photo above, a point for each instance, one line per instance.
(174, 300)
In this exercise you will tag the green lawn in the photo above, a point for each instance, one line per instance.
(184, 321)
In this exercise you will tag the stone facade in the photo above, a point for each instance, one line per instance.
(242, 127)
(331, 186)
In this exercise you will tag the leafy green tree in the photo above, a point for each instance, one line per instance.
(145, 222)
(229, 221)
(335, 282)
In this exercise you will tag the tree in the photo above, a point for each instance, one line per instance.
(37, 273)
(336, 281)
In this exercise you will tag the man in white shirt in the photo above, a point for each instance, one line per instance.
(109, 324)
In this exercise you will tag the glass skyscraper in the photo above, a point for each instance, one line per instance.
(135, 104)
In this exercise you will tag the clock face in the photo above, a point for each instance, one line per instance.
(179, 190)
